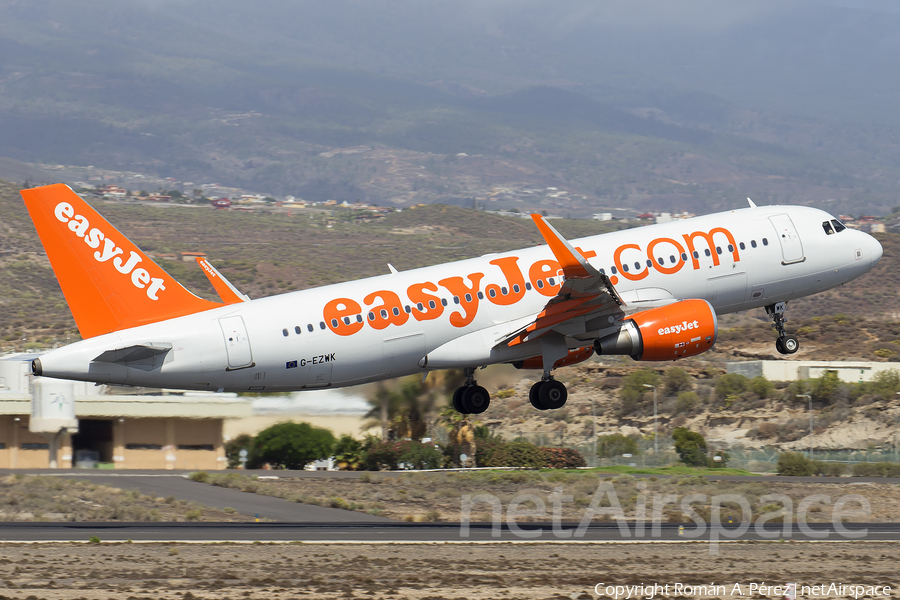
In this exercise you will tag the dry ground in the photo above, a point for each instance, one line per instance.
(438, 496)
(58, 571)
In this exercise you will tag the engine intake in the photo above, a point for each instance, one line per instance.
(685, 328)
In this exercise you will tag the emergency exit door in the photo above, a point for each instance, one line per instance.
(237, 343)
(791, 247)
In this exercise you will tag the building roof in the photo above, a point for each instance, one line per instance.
(187, 407)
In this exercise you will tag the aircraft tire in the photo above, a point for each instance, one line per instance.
(553, 395)
(475, 400)
(790, 344)
(780, 346)
(534, 395)
(457, 400)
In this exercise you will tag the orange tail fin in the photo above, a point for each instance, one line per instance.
(108, 282)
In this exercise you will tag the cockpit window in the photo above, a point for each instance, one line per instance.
(838, 226)
(827, 227)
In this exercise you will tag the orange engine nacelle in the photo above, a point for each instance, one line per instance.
(685, 328)
(575, 356)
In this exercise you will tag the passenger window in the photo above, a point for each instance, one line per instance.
(396, 311)
(504, 291)
(696, 254)
(613, 270)
(420, 306)
(480, 296)
(551, 281)
(671, 259)
(468, 297)
(297, 330)
(661, 261)
(753, 243)
(743, 247)
(431, 304)
(384, 314)
(838, 226)
(718, 249)
(455, 299)
(407, 309)
(444, 301)
(334, 322)
(765, 242)
(637, 266)
(707, 252)
(359, 318)
(516, 289)
(493, 293)
(540, 284)
(826, 225)
(321, 324)
(625, 268)
(309, 327)
(684, 256)
(284, 332)
(371, 316)
(730, 248)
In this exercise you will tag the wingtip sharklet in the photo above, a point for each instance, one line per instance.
(573, 265)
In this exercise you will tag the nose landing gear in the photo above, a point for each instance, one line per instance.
(471, 398)
(785, 344)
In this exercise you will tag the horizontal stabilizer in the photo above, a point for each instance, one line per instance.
(133, 353)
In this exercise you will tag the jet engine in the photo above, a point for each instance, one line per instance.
(685, 328)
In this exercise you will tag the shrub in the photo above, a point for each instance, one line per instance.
(518, 453)
(733, 384)
(767, 430)
(676, 380)
(233, 449)
(484, 449)
(690, 446)
(879, 469)
(686, 402)
(201, 476)
(292, 445)
(616, 444)
(389, 455)
(795, 464)
(761, 386)
(562, 458)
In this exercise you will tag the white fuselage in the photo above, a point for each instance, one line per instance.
(338, 335)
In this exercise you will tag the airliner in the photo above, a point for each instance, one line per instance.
(652, 293)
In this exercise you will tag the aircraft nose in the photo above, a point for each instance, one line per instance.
(876, 251)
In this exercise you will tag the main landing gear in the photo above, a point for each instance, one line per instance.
(785, 344)
(471, 399)
(548, 394)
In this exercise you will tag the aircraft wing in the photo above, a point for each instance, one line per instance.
(585, 294)
(227, 292)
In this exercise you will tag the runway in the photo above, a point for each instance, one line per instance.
(387, 532)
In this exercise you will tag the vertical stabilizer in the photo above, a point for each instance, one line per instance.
(108, 282)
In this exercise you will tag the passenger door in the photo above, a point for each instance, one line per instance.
(237, 343)
(791, 247)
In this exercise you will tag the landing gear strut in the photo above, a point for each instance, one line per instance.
(471, 398)
(785, 344)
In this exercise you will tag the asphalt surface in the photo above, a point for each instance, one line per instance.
(380, 532)
(246, 503)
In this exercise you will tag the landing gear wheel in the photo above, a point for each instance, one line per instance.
(780, 346)
(457, 399)
(790, 344)
(553, 395)
(475, 399)
(534, 395)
